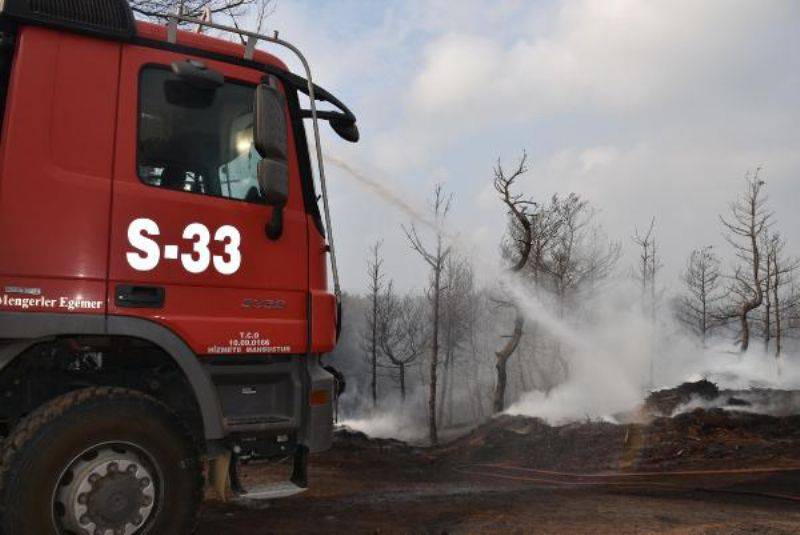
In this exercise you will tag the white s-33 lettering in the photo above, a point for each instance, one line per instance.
(147, 254)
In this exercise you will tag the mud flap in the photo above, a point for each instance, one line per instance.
(300, 467)
(219, 469)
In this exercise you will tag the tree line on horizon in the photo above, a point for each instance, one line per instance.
(455, 343)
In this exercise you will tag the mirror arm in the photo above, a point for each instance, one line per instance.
(274, 229)
(320, 95)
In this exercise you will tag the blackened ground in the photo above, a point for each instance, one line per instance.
(701, 439)
(703, 472)
(664, 402)
(705, 394)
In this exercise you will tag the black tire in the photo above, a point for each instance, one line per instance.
(42, 446)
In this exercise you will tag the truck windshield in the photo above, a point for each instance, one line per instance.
(197, 140)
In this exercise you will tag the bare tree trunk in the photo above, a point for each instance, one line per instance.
(500, 390)
(451, 397)
(520, 219)
(371, 336)
(649, 266)
(522, 375)
(748, 223)
(478, 400)
(402, 368)
(436, 261)
(744, 337)
(446, 404)
(767, 296)
(755, 302)
(699, 309)
(374, 349)
(445, 385)
(475, 384)
(778, 331)
(376, 288)
(778, 326)
(432, 430)
(502, 360)
(759, 295)
(779, 266)
(704, 307)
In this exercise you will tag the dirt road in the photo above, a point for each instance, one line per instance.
(391, 490)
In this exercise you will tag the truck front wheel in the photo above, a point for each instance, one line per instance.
(99, 461)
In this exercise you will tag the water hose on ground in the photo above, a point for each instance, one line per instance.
(618, 479)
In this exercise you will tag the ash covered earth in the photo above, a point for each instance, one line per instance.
(695, 425)
(692, 459)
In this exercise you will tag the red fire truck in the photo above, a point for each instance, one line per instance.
(164, 291)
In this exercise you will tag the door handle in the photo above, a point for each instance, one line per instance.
(129, 296)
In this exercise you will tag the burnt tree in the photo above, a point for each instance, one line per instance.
(780, 271)
(191, 8)
(749, 219)
(579, 256)
(435, 256)
(457, 299)
(402, 335)
(375, 286)
(236, 11)
(648, 267)
(520, 244)
(698, 308)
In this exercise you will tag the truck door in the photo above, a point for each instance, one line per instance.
(188, 243)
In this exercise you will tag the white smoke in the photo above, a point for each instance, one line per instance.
(393, 418)
(611, 352)
(388, 424)
(608, 355)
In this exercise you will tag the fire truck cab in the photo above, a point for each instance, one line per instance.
(164, 290)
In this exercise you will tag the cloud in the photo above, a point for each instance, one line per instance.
(647, 108)
(615, 56)
(460, 72)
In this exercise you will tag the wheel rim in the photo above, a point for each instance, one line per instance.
(109, 489)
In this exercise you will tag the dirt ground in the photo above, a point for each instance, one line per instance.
(650, 483)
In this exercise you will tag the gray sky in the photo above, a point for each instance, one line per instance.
(646, 108)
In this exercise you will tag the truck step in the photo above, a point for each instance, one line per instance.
(272, 491)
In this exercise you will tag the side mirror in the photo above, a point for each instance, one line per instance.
(273, 177)
(346, 129)
(270, 131)
(270, 139)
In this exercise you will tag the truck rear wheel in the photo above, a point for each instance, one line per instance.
(99, 461)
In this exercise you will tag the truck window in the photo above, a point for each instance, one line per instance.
(197, 140)
(6, 56)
